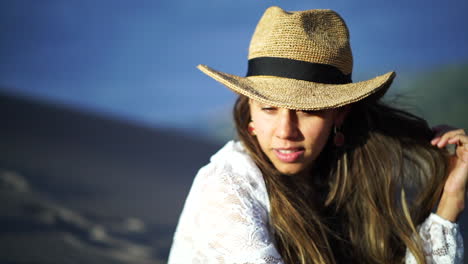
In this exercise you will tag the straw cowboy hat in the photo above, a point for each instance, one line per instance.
(301, 60)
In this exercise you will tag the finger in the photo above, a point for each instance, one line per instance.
(462, 154)
(439, 130)
(460, 140)
(448, 135)
(435, 141)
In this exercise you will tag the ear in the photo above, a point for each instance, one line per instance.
(251, 129)
(340, 114)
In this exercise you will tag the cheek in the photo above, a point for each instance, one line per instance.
(263, 132)
(262, 125)
(323, 130)
(318, 133)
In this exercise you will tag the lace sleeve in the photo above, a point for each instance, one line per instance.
(223, 222)
(442, 242)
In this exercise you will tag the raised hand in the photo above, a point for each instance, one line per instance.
(452, 201)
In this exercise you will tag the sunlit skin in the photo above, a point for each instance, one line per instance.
(301, 134)
(452, 201)
(304, 134)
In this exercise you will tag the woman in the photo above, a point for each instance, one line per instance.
(324, 171)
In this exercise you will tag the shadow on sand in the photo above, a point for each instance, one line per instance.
(80, 188)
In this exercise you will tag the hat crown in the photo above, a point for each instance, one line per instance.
(316, 36)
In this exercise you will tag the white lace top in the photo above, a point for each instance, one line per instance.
(225, 218)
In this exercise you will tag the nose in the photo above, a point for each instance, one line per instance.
(287, 125)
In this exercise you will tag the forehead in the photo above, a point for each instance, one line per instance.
(260, 104)
(257, 103)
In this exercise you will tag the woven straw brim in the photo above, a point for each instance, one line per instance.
(298, 94)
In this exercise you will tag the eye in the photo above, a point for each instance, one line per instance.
(268, 108)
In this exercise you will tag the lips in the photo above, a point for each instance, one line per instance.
(288, 155)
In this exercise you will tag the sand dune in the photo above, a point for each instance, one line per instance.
(96, 188)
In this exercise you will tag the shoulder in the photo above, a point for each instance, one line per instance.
(233, 157)
(232, 168)
(225, 216)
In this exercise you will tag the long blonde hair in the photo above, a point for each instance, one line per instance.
(365, 199)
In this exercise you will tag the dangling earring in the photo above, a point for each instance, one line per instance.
(338, 137)
(251, 129)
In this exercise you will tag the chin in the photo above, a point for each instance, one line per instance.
(290, 169)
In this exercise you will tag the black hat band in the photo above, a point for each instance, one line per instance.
(295, 69)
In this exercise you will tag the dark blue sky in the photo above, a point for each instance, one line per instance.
(136, 59)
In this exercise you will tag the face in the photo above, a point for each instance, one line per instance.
(292, 139)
